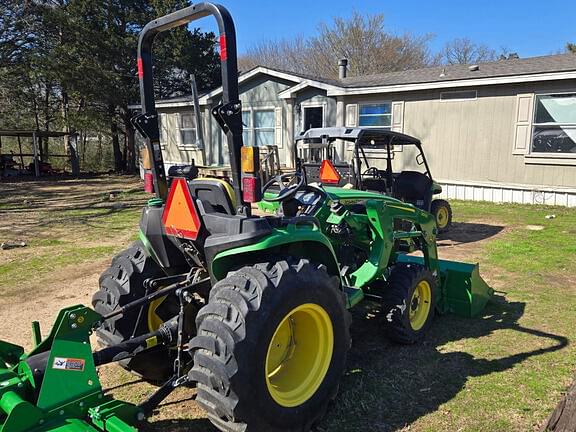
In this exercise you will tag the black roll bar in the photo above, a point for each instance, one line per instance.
(228, 114)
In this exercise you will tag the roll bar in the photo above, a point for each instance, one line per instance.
(228, 113)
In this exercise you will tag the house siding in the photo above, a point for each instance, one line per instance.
(473, 140)
(172, 151)
(478, 148)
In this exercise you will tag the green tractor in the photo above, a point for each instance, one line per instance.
(253, 311)
(315, 148)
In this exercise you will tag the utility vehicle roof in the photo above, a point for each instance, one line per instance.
(369, 137)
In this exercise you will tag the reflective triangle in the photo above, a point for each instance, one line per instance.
(328, 173)
(180, 217)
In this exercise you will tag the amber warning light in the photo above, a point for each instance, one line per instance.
(328, 173)
(180, 216)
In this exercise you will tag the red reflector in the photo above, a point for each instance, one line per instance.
(140, 68)
(328, 173)
(223, 49)
(250, 189)
(180, 217)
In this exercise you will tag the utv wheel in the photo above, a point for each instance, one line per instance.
(442, 213)
(122, 283)
(271, 347)
(408, 303)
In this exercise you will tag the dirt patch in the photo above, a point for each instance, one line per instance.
(465, 240)
(66, 287)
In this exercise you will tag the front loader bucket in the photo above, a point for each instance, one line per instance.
(463, 291)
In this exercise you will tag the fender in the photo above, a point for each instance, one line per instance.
(299, 240)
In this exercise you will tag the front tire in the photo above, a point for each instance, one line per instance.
(442, 214)
(271, 347)
(408, 303)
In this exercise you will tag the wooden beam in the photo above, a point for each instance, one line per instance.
(21, 156)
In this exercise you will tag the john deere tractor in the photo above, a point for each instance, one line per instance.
(254, 311)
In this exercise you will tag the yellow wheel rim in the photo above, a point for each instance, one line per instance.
(442, 217)
(154, 321)
(299, 355)
(420, 305)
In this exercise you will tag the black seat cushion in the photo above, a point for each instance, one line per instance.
(374, 184)
(414, 187)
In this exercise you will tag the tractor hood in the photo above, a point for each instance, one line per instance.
(349, 195)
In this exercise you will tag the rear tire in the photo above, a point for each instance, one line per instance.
(408, 303)
(122, 283)
(262, 360)
(442, 214)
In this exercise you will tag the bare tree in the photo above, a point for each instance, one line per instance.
(362, 39)
(464, 51)
(287, 54)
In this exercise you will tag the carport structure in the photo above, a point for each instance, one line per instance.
(38, 155)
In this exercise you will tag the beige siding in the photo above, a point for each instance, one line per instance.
(475, 140)
(172, 151)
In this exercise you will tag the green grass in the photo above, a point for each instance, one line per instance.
(17, 272)
(525, 251)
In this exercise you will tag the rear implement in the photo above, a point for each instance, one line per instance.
(55, 387)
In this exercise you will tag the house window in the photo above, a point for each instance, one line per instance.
(247, 127)
(187, 129)
(259, 127)
(459, 95)
(555, 124)
(264, 127)
(375, 115)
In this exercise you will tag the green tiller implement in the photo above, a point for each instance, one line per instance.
(252, 310)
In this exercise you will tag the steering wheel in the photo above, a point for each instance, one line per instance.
(373, 171)
(287, 186)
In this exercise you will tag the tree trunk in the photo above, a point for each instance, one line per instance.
(131, 145)
(115, 140)
(46, 140)
(563, 418)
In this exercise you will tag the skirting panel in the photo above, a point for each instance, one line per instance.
(503, 194)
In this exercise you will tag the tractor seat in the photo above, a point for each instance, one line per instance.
(413, 187)
(216, 195)
(374, 184)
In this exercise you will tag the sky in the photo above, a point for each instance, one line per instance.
(528, 27)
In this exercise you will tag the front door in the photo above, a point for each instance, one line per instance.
(313, 118)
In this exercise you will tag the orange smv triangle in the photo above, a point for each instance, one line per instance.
(328, 173)
(180, 217)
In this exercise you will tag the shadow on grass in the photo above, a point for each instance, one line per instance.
(465, 232)
(389, 386)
